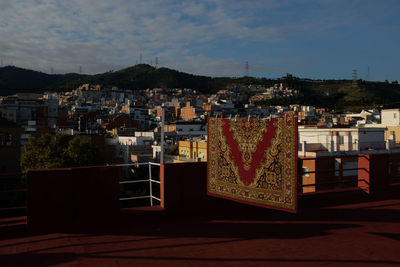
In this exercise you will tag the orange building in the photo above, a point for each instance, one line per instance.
(170, 128)
(159, 112)
(207, 107)
(125, 109)
(188, 113)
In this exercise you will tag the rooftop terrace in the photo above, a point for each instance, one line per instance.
(339, 227)
(362, 233)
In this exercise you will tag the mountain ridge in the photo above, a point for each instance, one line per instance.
(327, 93)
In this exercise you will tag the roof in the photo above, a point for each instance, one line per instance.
(302, 128)
(390, 109)
(366, 232)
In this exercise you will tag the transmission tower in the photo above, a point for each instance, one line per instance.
(51, 70)
(368, 75)
(140, 59)
(156, 62)
(80, 69)
(354, 78)
(247, 68)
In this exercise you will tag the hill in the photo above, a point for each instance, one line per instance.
(343, 93)
(145, 76)
(14, 79)
(325, 93)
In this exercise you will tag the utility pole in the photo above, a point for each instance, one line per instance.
(162, 133)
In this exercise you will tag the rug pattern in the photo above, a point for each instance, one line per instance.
(253, 161)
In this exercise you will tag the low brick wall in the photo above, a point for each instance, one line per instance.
(184, 185)
(58, 199)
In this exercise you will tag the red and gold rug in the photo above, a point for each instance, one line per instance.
(253, 161)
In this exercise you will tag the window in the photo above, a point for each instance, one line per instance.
(394, 115)
(341, 139)
(305, 172)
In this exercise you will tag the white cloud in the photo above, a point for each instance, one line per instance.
(189, 35)
(102, 34)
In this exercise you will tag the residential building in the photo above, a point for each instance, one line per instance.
(188, 112)
(330, 155)
(315, 141)
(194, 150)
(391, 120)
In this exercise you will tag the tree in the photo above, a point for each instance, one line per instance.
(59, 152)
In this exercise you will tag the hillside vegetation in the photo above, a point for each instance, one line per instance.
(325, 93)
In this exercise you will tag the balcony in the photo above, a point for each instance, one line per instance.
(307, 149)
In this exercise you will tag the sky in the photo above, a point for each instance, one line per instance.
(318, 39)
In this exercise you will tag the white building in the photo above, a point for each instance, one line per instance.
(190, 129)
(390, 117)
(314, 141)
(133, 145)
(134, 140)
(52, 102)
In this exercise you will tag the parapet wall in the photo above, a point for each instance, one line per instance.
(58, 199)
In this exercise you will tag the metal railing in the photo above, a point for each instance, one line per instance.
(150, 180)
(341, 177)
(336, 146)
(13, 187)
(335, 177)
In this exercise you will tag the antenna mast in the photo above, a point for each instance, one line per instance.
(354, 78)
(247, 68)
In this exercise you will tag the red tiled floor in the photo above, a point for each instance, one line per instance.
(366, 233)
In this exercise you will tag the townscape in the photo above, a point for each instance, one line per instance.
(199, 133)
(128, 122)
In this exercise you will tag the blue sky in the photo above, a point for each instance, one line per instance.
(309, 38)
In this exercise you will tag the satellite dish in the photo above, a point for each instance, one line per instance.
(330, 125)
